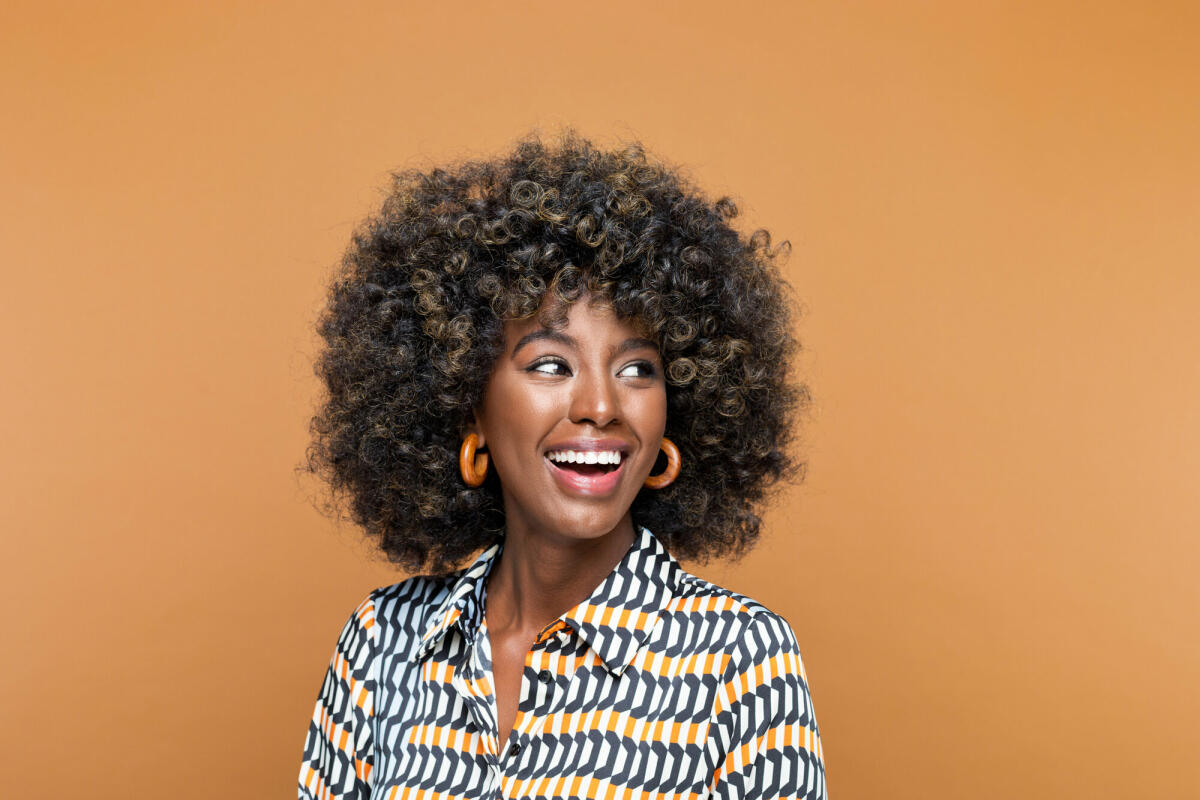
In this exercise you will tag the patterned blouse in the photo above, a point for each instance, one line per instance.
(660, 685)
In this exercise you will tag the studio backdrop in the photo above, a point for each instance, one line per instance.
(994, 212)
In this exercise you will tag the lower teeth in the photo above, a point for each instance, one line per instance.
(589, 469)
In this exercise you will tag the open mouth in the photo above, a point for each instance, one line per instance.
(586, 464)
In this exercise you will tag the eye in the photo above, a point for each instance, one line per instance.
(638, 369)
(549, 366)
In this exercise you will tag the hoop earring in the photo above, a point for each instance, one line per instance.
(473, 466)
(669, 474)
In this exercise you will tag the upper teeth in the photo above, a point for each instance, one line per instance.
(585, 456)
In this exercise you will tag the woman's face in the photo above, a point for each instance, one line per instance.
(573, 419)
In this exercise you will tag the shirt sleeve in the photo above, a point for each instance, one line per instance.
(339, 750)
(765, 717)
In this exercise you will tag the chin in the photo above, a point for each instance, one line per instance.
(587, 525)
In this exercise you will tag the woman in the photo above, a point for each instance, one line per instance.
(568, 358)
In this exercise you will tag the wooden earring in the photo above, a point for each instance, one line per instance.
(472, 465)
(669, 474)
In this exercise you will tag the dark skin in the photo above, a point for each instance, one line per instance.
(596, 384)
(536, 589)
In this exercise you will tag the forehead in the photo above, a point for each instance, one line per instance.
(587, 317)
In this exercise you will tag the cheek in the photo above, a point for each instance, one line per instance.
(527, 419)
(515, 419)
(648, 417)
(653, 411)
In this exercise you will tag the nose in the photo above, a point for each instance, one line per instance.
(594, 399)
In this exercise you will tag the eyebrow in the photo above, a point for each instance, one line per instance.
(540, 334)
(632, 343)
(635, 343)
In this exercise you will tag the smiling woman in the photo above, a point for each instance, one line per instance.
(512, 348)
(558, 404)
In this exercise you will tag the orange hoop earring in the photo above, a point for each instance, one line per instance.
(669, 474)
(473, 466)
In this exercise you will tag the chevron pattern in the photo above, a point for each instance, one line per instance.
(659, 685)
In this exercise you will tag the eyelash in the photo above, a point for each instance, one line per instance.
(537, 367)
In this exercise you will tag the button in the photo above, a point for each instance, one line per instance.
(545, 677)
(514, 749)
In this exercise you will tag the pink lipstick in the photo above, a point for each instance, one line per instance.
(587, 466)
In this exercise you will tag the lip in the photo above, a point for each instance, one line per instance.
(586, 445)
(597, 485)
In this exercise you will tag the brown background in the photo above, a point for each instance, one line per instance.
(994, 208)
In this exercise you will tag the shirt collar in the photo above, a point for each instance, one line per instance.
(462, 607)
(615, 620)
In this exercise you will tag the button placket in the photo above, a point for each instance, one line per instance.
(548, 695)
(527, 705)
(477, 663)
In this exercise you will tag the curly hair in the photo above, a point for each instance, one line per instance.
(414, 323)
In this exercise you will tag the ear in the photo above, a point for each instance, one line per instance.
(474, 426)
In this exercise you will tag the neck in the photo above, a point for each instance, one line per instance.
(541, 576)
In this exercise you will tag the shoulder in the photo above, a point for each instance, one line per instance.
(693, 586)
(695, 595)
(762, 665)
(411, 599)
(391, 615)
(721, 619)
